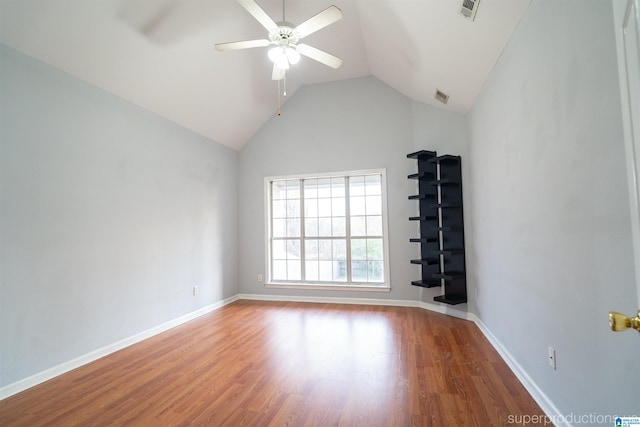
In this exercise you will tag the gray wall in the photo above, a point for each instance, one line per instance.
(550, 211)
(347, 125)
(108, 216)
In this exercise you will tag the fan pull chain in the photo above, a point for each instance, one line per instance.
(279, 102)
(284, 90)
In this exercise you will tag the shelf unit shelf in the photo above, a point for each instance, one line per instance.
(427, 283)
(426, 261)
(422, 155)
(447, 159)
(423, 218)
(442, 254)
(431, 176)
(421, 197)
(450, 300)
(425, 240)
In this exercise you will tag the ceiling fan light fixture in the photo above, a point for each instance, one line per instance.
(284, 56)
(276, 54)
(292, 55)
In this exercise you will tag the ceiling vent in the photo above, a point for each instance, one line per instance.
(442, 97)
(469, 8)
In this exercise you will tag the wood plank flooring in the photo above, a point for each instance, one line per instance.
(255, 363)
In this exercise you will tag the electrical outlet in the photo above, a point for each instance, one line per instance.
(260, 278)
(195, 290)
(552, 357)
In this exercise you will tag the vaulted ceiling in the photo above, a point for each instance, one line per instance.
(159, 54)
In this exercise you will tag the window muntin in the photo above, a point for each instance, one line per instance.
(327, 230)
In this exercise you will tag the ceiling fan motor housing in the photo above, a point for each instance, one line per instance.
(285, 35)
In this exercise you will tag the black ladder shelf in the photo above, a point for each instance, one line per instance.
(441, 223)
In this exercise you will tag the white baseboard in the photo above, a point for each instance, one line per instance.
(329, 300)
(536, 393)
(448, 310)
(40, 377)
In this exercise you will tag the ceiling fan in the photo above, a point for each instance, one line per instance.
(285, 38)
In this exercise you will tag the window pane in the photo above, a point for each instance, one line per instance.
(339, 249)
(324, 250)
(357, 205)
(374, 249)
(311, 227)
(359, 249)
(294, 271)
(293, 189)
(373, 185)
(356, 186)
(324, 227)
(338, 227)
(279, 190)
(375, 271)
(310, 207)
(374, 226)
(311, 249)
(279, 249)
(310, 188)
(279, 270)
(324, 207)
(279, 208)
(337, 206)
(340, 271)
(278, 228)
(292, 248)
(325, 270)
(358, 226)
(293, 227)
(324, 187)
(359, 271)
(293, 208)
(337, 187)
(311, 271)
(374, 205)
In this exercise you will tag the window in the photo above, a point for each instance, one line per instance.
(328, 230)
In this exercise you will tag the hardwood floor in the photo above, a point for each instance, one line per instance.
(289, 364)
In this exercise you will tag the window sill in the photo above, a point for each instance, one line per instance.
(327, 287)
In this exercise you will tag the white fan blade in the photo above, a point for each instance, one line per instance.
(319, 55)
(278, 73)
(242, 45)
(319, 21)
(258, 13)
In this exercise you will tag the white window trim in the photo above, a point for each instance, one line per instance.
(383, 287)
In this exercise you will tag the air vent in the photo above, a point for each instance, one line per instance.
(469, 8)
(442, 97)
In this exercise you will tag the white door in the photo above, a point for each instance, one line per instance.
(627, 28)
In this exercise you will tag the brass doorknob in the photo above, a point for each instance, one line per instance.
(620, 322)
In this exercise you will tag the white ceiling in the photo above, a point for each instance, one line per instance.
(159, 54)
